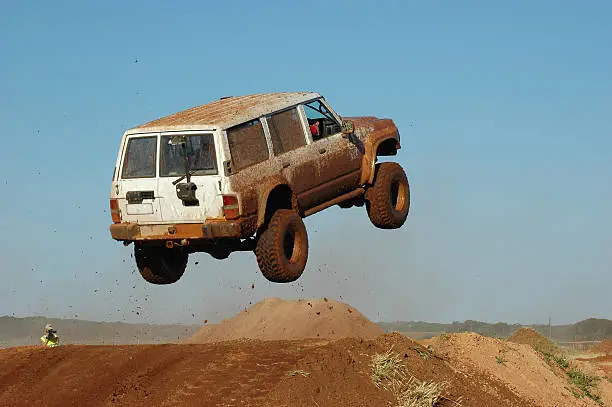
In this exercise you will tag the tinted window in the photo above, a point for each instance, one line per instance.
(286, 131)
(140, 157)
(247, 144)
(200, 150)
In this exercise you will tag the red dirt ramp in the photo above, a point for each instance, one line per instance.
(233, 373)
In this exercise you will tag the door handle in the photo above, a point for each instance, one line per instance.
(322, 151)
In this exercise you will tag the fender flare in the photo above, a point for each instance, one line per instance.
(264, 193)
(369, 159)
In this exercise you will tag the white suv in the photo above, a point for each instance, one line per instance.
(240, 173)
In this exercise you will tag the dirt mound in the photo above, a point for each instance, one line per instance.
(603, 347)
(232, 373)
(277, 319)
(517, 365)
(528, 336)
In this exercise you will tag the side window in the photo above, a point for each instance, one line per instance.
(286, 131)
(322, 123)
(140, 158)
(247, 144)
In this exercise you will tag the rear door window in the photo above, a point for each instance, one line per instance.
(247, 144)
(200, 150)
(140, 158)
(286, 131)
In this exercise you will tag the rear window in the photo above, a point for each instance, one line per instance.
(200, 149)
(140, 158)
(247, 144)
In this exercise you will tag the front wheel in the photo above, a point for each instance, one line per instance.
(282, 249)
(388, 200)
(159, 265)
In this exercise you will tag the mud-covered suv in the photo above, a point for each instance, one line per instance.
(240, 173)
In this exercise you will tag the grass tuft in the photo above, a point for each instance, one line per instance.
(390, 373)
(385, 367)
(561, 361)
(414, 393)
(423, 354)
(298, 372)
(585, 383)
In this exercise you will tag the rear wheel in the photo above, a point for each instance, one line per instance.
(159, 265)
(282, 249)
(388, 200)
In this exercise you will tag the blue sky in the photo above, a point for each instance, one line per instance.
(505, 113)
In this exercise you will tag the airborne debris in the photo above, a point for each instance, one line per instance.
(276, 319)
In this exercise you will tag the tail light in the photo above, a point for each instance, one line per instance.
(397, 145)
(230, 207)
(115, 211)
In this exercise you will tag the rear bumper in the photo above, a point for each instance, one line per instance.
(239, 228)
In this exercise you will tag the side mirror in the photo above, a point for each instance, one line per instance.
(348, 127)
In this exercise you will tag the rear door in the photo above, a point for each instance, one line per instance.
(203, 164)
(137, 187)
(290, 148)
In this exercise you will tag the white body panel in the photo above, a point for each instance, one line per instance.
(208, 191)
(166, 207)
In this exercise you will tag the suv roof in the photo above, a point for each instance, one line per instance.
(226, 112)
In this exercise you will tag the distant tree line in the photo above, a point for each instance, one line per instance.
(591, 329)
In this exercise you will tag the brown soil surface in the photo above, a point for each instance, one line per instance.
(603, 347)
(603, 363)
(277, 319)
(235, 373)
(330, 342)
(600, 368)
(528, 336)
(519, 366)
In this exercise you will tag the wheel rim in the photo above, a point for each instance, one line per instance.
(289, 245)
(398, 195)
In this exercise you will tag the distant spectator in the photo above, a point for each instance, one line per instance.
(50, 339)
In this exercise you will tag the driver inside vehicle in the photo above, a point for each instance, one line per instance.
(314, 129)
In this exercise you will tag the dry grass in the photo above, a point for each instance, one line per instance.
(385, 367)
(390, 373)
(414, 393)
(298, 372)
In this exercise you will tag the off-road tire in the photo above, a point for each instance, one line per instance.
(159, 265)
(282, 249)
(388, 199)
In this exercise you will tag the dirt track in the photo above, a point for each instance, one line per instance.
(236, 373)
(293, 353)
